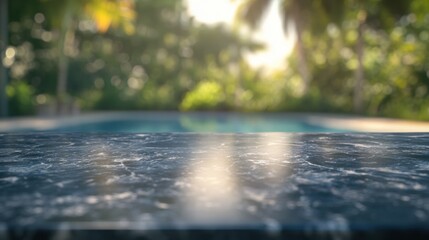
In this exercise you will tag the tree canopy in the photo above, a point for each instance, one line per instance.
(137, 55)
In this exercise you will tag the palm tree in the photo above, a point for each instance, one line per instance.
(376, 15)
(314, 15)
(104, 13)
(299, 12)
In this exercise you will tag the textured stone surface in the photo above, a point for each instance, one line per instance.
(303, 185)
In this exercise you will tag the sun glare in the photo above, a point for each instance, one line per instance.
(270, 32)
(212, 11)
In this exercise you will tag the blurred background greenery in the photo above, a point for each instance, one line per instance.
(368, 57)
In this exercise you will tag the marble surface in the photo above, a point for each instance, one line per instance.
(229, 186)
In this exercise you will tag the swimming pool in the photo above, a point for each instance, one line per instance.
(183, 122)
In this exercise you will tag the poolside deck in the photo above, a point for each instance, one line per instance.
(351, 123)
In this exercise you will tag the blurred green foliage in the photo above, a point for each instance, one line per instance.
(172, 62)
(207, 95)
(21, 99)
(154, 68)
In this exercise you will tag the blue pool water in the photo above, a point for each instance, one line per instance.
(198, 122)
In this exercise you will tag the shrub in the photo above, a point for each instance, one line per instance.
(207, 95)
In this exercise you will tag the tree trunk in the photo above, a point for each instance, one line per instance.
(62, 82)
(302, 61)
(65, 43)
(360, 78)
(3, 45)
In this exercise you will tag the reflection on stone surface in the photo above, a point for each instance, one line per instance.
(271, 181)
(211, 195)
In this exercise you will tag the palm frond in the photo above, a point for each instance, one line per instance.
(297, 11)
(252, 12)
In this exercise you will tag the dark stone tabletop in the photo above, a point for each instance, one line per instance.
(214, 186)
